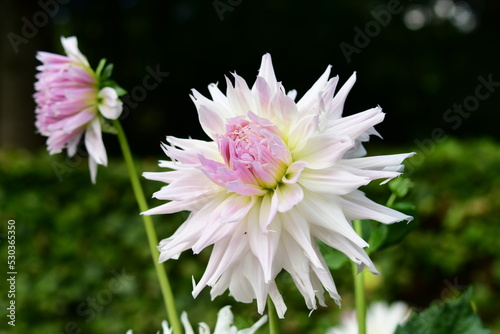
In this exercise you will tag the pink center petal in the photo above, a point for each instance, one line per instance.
(255, 157)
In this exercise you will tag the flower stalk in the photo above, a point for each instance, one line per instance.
(273, 317)
(359, 288)
(391, 199)
(150, 231)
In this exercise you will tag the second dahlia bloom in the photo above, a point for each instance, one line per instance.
(70, 103)
(277, 176)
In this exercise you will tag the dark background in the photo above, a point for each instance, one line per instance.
(415, 75)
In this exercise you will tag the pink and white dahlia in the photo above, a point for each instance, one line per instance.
(278, 176)
(70, 104)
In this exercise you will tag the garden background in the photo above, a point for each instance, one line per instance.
(432, 66)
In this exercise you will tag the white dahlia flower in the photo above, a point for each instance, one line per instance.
(277, 176)
(381, 318)
(224, 324)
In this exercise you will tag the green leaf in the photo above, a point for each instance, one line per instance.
(119, 90)
(397, 232)
(400, 186)
(107, 72)
(98, 71)
(452, 317)
(381, 236)
(378, 235)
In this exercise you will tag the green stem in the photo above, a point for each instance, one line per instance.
(166, 290)
(359, 288)
(391, 199)
(273, 317)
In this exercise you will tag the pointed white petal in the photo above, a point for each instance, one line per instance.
(255, 326)
(380, 162)
(298, 265)
(357, 206)
(238, 284)
(165, 328)
(302, 130)
(337, 105)
(327, 212)
(220, 106)
(342, 244)
(184, 191)
(262, 93)
(267, 72)
(324, 278)
(333, 180)
(355, 125)
(283, 112)
(224, 254)
(210, 121)
(94, 143)
(240, 105)
(356, 152)
(195, 147)
(236, 208)
(244, 93)
(268, 210)
(256, 287)
(201, 229)
(311, 96)
(93, 169)
(185, 322)
(224, 320)
(170, 176)
(70, 45)
(289, 194)
(203, 328)
(328, 93)
(322, 151)
(174, 206)
(264, 244)
(379, 167)
(277, 299)
(73, 143)
(219, 97)
(294, 172)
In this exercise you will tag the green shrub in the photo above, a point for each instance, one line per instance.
(73, 238)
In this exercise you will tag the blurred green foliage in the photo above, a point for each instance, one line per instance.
(456, 193)
(455, 317)
(74, 239)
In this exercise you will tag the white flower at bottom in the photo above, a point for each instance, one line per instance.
(380, 319)
(164, 326)
(224, 325)
(277, 176)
